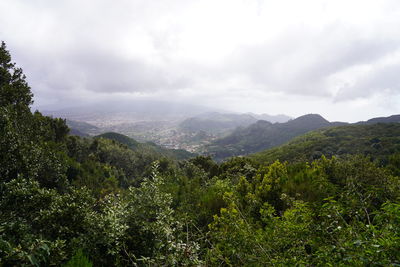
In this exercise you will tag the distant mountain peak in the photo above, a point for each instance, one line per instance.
(281, 118)
(310, 120)
(311, 116)
(393, 118)
(263, 122)
(215, 122)
(264, 134)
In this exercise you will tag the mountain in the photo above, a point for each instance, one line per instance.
(263, 135)
(76, 132)
(281, 118)
(81, 128)
(393, 118)
(215, 123)
(107, 113)
(178, 154)
(376, 140)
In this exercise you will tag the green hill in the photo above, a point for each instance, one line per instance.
(123, 139)
(135, 145)
(375, 140)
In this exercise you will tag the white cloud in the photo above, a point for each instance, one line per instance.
(314, 56)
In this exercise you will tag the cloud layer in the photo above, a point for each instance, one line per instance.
(338, 58)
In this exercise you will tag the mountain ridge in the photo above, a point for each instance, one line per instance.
(389, 119)
(263, 135)
(215, 122)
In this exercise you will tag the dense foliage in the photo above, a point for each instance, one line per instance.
(67, 200)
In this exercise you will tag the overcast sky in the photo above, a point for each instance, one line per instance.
(338, 58)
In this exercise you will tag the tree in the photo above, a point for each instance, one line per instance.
(14, 89)
(30, 144)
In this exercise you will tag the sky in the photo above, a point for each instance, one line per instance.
(339, 58)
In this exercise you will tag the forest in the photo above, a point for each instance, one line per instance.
(328, 198)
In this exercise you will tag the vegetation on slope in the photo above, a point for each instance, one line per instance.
(378, 141)
(123, 139)
(131, 143)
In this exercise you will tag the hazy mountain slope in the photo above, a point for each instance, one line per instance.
(76, 132)
(214, 122)
(376, 140)
(393, 118)
(106, 113)
(134, 145)
(281, 118)
(82, 128)
(263, 135)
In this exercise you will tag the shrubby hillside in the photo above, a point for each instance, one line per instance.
(105, 201)
(379, 141)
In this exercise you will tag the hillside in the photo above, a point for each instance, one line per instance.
(281, 118)
(76, 132)
(82, 128)
(263, 135)
(179, 154)
(393, 118)
(123, 139)
(215, 123)
(375, 140)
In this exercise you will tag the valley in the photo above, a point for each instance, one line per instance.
(219, 135)
(193, 134)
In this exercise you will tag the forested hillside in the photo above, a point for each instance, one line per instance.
(72, 201)
(148, 146)
(379, 141)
